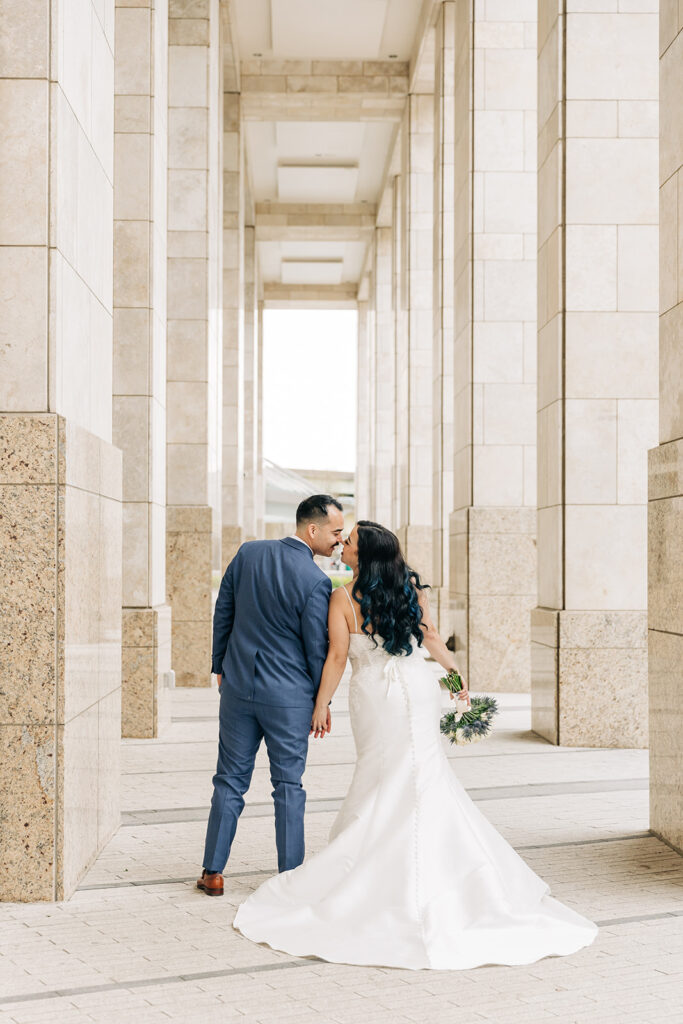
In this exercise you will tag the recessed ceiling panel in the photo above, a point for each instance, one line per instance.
(328, 29)
(341, 140)
(312, 271)
(332, 250)
(338, 30)
(316, 184)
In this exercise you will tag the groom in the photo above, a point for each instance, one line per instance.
(269, 646)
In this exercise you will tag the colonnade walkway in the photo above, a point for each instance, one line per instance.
(137, 941)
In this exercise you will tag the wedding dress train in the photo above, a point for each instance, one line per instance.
(414, 875)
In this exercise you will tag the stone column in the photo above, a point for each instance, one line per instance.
(492, 561)
(363, 482)
(194, 328)
(60, 475)
(139, 382)
(443, 283)
(666, 461)
(400, 328)
(414, 348)
(233, 328)
(384, 423)
(251, 343)
(366, 293)
(597, 370)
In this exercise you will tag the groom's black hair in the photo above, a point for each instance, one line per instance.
(316, 507)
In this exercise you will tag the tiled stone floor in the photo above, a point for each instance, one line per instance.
(137, 942)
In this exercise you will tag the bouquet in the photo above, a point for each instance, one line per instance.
(472, 724)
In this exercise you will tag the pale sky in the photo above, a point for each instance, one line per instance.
(309, 388)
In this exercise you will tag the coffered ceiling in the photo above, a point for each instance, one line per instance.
(323, 85)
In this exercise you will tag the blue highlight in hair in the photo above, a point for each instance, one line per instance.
(387, 590)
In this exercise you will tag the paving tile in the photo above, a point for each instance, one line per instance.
(142, 944)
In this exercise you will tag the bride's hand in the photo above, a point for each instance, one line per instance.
(321, 721)
(463, 694)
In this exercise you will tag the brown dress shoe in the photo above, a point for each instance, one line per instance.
(211, 883)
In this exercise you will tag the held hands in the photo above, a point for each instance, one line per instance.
(321, 722)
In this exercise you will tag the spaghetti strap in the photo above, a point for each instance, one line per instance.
(353, 607)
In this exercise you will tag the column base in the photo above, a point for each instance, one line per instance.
(188, 589)
(587, 673)
(60, 631)
(146, 663)
(665, 641)
(493, 589)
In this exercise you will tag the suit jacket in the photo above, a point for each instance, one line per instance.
(270, 624)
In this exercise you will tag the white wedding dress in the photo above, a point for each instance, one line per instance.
(414, 875)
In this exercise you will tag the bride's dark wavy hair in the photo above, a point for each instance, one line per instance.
(387, 590)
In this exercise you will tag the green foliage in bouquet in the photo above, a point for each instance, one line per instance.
(473, 724)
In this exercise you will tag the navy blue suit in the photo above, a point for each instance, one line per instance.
(269, 646)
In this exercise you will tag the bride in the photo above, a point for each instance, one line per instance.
(414, 875)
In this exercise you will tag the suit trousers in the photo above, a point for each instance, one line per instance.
(243, 724)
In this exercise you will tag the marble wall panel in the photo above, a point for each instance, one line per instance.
(136, 553)
(24, 114)
(24, 31)
(621, 366)
(597, 536)
(500, 642)
(638, 262)
(550, 567)
(82, 606)
(78, 793)
(132, 362)
(23, 328)
(590, 451)
(109, 766)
